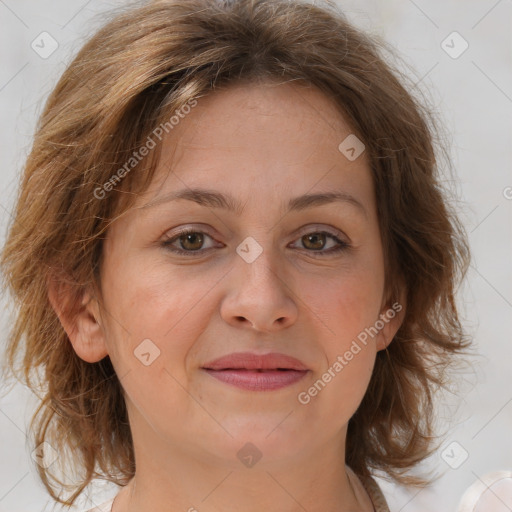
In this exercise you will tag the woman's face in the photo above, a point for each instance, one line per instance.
(262, 273)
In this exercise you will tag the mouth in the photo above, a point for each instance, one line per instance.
(258, 379)
(257, 372)
(253, 370)
(253, 361)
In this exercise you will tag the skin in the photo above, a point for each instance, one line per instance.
(262, 144)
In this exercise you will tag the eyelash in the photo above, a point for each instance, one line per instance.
(187, 231)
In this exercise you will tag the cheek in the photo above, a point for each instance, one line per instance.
(351, 375)
(351, 352)
(146, 302)
(153, 323)
(347, 306)
(344, 303)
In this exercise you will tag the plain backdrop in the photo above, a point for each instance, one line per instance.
(471, 90)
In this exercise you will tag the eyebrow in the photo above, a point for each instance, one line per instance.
(213, 199)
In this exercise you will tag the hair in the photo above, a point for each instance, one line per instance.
(141, 66)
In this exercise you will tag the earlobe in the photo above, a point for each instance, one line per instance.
(391, 318)
(78, 312)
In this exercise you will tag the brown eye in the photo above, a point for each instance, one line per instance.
(191, 241)
(188, 241)
(317, 243)
(314, 241)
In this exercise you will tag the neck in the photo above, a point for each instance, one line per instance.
(179, 483)
(293, 471)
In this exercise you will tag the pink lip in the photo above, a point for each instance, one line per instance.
(251, 361)
(258, 380)
(257, 372)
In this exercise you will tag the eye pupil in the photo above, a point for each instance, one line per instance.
(192, 236)
(318, 237)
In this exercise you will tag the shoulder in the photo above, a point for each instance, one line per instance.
(372, 488)
(375, 492)
(104, 507)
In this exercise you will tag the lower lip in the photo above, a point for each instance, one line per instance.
(254, 380)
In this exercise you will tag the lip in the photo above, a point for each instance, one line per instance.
(252, 361)
(257, 372)
(258, 380)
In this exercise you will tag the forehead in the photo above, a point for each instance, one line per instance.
(280, 140)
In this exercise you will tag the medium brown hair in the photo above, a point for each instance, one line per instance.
(138, 69)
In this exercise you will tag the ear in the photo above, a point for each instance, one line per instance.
(78, 312)
(392, 315)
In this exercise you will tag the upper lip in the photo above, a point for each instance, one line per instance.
(251, 361)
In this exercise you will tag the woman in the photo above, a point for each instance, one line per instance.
(234, 263)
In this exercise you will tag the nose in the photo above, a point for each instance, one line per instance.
(261, 295)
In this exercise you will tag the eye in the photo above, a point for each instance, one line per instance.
(316, 241)
(191, 241)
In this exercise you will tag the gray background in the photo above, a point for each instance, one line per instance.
(473, 96)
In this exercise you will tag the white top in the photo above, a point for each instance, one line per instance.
(104, 507)
(371, 486)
